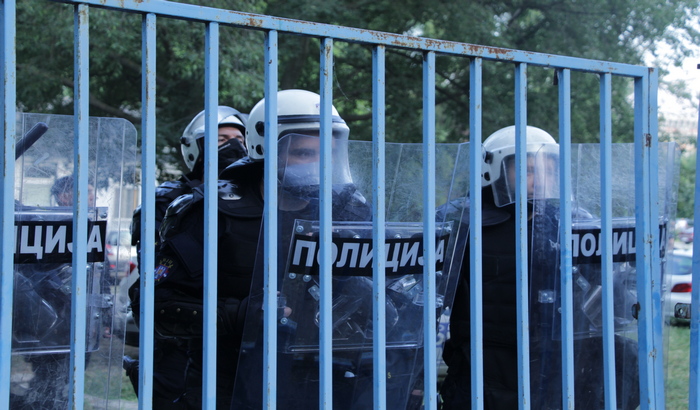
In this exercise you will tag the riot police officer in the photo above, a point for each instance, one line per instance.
(179, 272)
(231, 142)
(500, 348)
(170, 355)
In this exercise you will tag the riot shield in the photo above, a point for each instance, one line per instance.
(587, 278)
(299, 275)
(43, 271)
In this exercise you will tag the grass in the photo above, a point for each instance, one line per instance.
(677, 367)
(106, 383)
(107, 387)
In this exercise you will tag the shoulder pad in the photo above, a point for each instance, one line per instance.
(452, 209)
(173, 189)
(228, 191)
(176, 210)
(183, 203)
(355, 207)
(459, 209)
(243, 168)
(239, 200)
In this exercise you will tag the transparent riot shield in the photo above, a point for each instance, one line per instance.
(587, 278)
(352, 301)
(299, 275)
(43, 271)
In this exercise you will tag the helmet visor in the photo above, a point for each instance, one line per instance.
(299, 160)
(542, 177)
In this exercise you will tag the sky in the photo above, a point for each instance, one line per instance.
(673, 107)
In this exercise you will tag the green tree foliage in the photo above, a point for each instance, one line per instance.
(686, 186)
(45, 66)
(615, 30)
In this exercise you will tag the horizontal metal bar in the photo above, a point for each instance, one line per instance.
(356, 35)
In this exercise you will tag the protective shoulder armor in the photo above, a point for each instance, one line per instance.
(459, 209)
(183, 203)
(172, 189)
(453, 209)
(177, 210)
(239, 200)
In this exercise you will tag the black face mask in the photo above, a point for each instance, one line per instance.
(230, 152)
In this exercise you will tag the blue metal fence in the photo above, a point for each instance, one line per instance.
(651, 371)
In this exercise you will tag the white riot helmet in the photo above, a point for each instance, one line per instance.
(191, 140)
(498, 168)
(299, 123)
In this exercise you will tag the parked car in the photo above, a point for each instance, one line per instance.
(119, 254)
(678, 283)
(685, 235)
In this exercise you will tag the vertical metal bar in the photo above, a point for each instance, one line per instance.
(80, 216)
(429, 295)
(475, 241)
(655, 285)
(567, 304)
(326, 254)
(378, 231)
(7, 184)
(148, 207)
(211, 104)
(694, 379)
(642, 241)
(606, 240)
(521, 230)
(270, 223)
